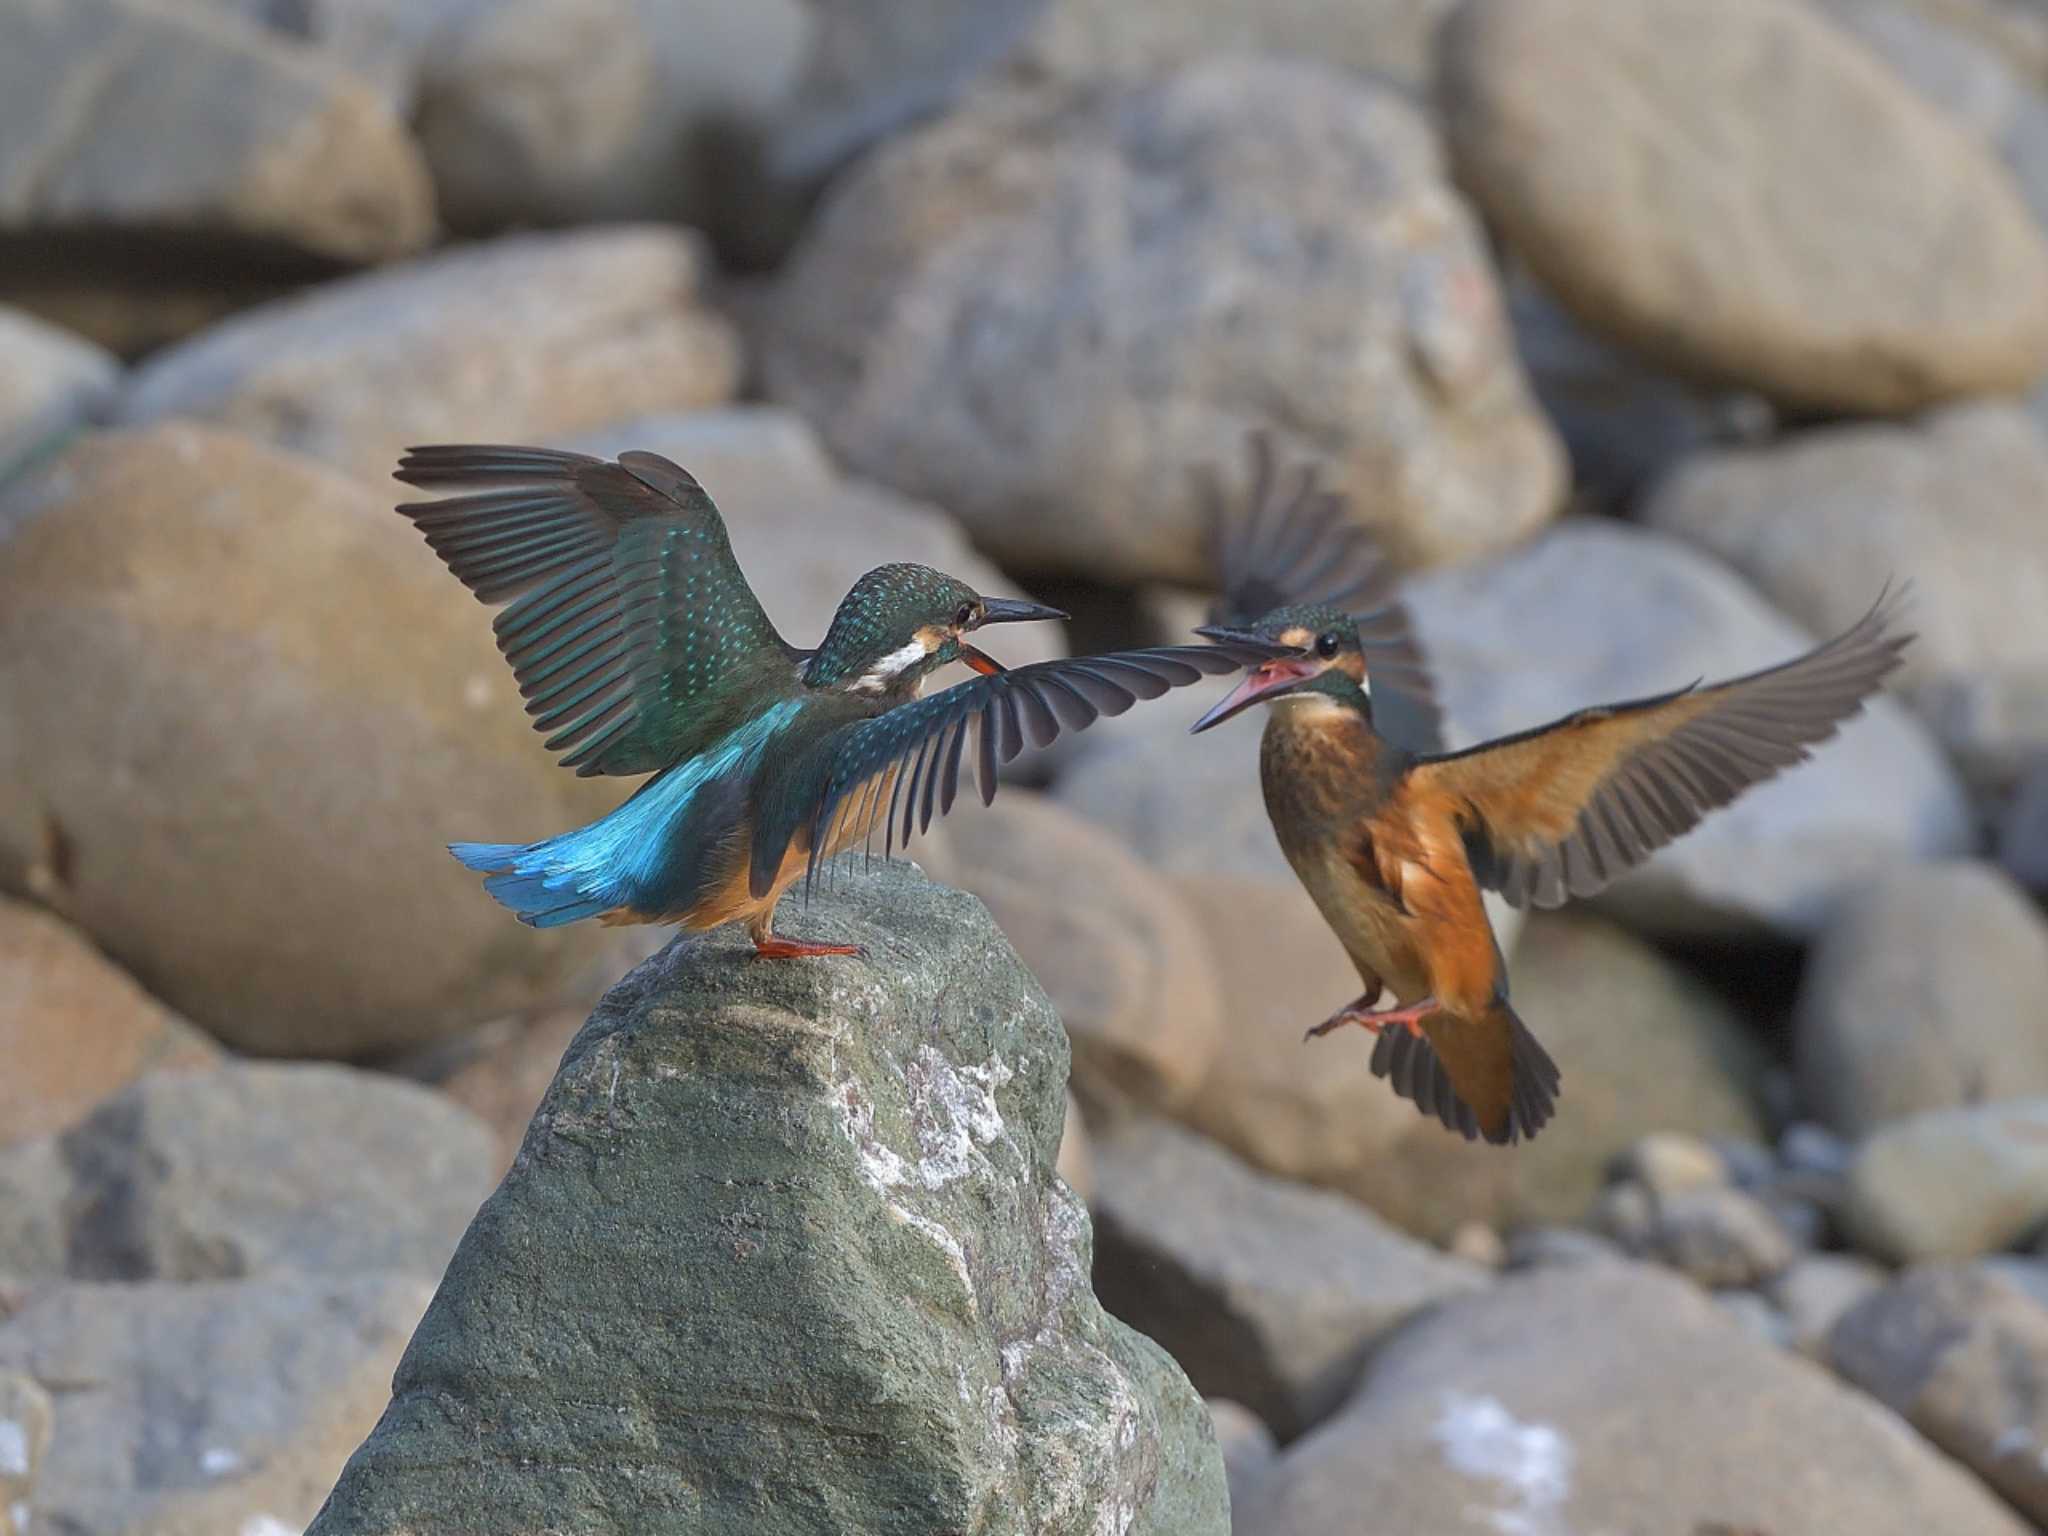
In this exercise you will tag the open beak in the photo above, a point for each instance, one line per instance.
(1267, 680)
(1002, 610)
(1011, 610)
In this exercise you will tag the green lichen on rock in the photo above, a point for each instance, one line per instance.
(783, 1251)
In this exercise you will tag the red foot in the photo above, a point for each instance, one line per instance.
(1409, 1018)
(775, 947)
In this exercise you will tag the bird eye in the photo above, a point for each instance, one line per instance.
(1326, 644)
(965, 616)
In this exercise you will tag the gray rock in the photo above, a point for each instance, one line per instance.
(1756, 1314)
(803, 532)
(293, 894)
(1237, 243)
(1669, 1164)
(571, 111)
(381, 42)
(1807, 1223)
(254, 1168)
(51, 383)
(1561, 1247)
(1610, 1398)
(1784, 228)
(1821, 522)
(1623, 422)
(113, 125)
(1626, 1213)
(26, 1414)
(1720, 1238)
(189, 1410)
(878, 65)
(1973, 60)
(1815, 1292)
(2023, 831)
(1247, 1446)
(1594, 612)
(1963, 1354)
(1124, 959)
(2027, 1271)
(1951, 1183)
(1393, 41)
(833, 1181)
(1924, 992)
(1264, 1291)
(870, 68)
(1807, 1149)
(529, 338)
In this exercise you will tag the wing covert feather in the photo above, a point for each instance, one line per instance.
(1562, 810)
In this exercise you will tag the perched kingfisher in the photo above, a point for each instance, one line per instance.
(640, 648)
(1394, 840)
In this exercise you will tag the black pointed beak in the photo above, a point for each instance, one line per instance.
(1229, 636)
(1268, 680)
(1011, 610)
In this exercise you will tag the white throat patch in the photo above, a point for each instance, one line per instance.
(890, 667)
(1310, 706)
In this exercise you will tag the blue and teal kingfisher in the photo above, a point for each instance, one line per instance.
(639, 647)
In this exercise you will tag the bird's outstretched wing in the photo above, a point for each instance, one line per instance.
(913, 753)
(1288, 542)
(1562, 810)
(631, 611)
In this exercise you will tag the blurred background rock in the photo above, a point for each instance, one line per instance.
(1651, 336)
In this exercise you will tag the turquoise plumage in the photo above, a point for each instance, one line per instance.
(639, 648)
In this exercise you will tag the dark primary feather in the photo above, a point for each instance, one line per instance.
(926, 742)
(1562, 810)
(1416, 1072)
(1289, 543)
(632, 612)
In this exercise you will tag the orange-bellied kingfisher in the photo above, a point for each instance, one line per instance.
(1395, 841)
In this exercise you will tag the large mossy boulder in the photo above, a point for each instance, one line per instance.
(784, 1251)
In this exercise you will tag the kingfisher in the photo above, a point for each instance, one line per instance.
(1395, 839)
(639, 649)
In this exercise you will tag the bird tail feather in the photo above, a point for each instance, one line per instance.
(543, 888)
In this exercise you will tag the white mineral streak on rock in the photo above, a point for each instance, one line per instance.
(1531, 1462)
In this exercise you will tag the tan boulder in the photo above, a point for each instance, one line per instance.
(527, 339)
(73, 1029)
(252, 709)
(1742, 192)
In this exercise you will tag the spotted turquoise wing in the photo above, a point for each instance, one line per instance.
(632, 620)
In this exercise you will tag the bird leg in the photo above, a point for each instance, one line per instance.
(773, 946)
(1409, 1018)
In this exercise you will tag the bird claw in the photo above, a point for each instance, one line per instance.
(1409, 1018)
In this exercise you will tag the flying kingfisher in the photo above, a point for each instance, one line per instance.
(1394, 838)
(640, 648)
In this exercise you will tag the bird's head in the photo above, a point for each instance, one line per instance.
(1326, 670)
(901, 622)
